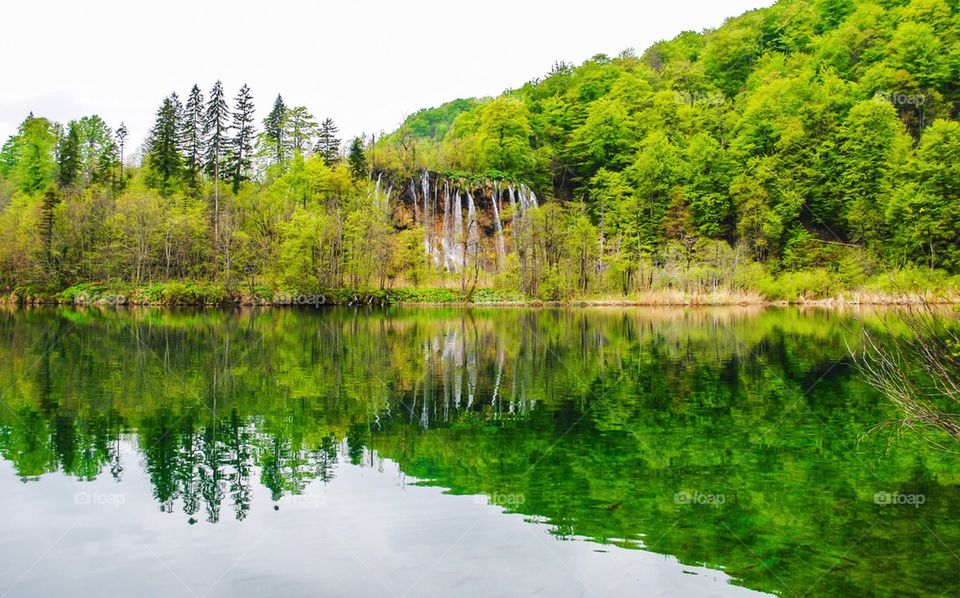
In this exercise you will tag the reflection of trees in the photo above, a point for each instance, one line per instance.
(644, 404)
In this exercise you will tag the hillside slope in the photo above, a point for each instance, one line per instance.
(795, 129)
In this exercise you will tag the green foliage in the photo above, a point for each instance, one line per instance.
(803, 285)
(27, 158)
(433, 123)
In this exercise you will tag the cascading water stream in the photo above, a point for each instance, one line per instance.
(427, 213)
(473, 230)
(458, 230)
(416, 208)
(501, 250)
(447, 242)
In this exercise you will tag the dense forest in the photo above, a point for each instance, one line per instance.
(797, 151)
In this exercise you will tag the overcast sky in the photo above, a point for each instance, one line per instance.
(365, 63)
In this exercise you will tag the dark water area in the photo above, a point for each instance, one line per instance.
(470, 452)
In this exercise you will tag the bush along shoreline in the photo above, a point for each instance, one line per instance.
(907, 287)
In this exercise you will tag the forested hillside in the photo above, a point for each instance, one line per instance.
(797, 150)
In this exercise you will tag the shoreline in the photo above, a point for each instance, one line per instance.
(219, 297)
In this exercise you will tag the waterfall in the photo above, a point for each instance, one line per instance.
(437, 249)
(416, 209)
(438, 208)
(501, 251)
(427, 214)
(381, 201)
(446, 243)
(458, 255)
(473, 230)
(511, 194)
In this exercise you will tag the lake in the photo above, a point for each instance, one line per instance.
(469, 452)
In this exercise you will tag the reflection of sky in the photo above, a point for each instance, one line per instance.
(367, 533)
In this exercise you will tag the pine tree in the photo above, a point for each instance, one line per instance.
(241, 146)
(215, 127)
(301, 128)
(163, 156)
(68, 157)
(216, 145)
(193, 137)
(274, 131)
(357, 158)
(328, 145)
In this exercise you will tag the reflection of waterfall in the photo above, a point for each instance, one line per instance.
(466, 373)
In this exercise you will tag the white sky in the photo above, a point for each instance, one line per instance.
(365, 63)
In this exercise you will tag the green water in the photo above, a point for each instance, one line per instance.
(460, 452)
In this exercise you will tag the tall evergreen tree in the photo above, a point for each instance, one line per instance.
(241, 146)
(328, 145)
(68, 157)
(274, 131)
(357, 158)
(215, 128)
(163, 156)
(193, 137)
(215, 131)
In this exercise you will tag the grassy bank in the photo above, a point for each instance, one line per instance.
(214, 294)
(802, 288)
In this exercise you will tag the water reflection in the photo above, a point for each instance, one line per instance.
(728, 438)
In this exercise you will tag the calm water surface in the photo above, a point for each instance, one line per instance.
(439, 452)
